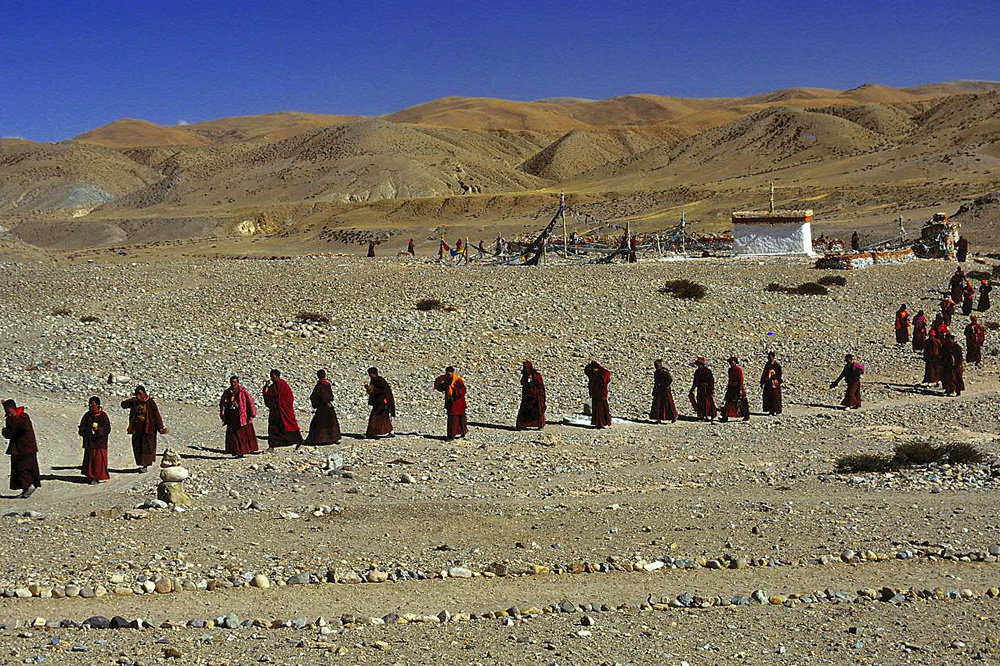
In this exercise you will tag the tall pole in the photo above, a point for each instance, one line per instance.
(772, 197)
(562, 213)
(683, 233)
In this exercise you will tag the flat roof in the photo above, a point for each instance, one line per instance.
(766, 214)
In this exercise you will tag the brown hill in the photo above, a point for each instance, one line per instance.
(129, 133)
(580, 151)
(876, 117)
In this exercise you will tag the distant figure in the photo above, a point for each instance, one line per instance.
(975, 338)
(442, 250)
(962, 249)
(500, 248)
(459, 246)
(144, 422)
(947, 310)
(282, 426)
(531, 413)
(770, 385)
(702, 393)
(957, 285)
(598, 378)
(984, 295)
(952, 367)
(382, 403)
(735, 401)
(325, 426)
(22, 449)
(968, 298)
(371, 249)
(851, 374)
(95, 426)
(932, 358)
(574, 242)
(663, 408)
(481, 248)
(410, 250)
(855, 241)
(902, 325)
(633, 248)
(455, 405)
(940, 327)
(919, 331)
(237, 411)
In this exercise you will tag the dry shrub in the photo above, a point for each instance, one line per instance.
(306, 317)
(811, 289)
(89, 319)
(429, 304)
(774, 286)
(61, 312)
(859, 463)
(912, 454)
(965, 454)
(685, 289)
(993, 325)
(832, 281)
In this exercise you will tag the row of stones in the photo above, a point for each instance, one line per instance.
(510, 616)
(166, 585)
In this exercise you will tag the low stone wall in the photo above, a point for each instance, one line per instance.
(850, 260)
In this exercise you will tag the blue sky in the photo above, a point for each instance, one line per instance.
(69, 66)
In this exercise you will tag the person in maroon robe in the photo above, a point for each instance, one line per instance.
(663, 408)
(919, 331)
(902, 325)
(455, 406)
(237, 411)
(144, 422)
(962, 249)
(282, 426)
(735, 401)
(932, 359)
(95, 426)
(851, 374)
(531, 413)
(325, 426)
(947, 310)
(956, 287)
(975, 337)
(598, 378)
(22, 449)
(382, 403)
(702, 393)
(770, 385)
(410, 250)
(968, 298)
(855, 242)
(939, 327)
(371, 249)
(984, 295)
(952, 367)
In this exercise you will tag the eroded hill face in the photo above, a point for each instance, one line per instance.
(308, 178)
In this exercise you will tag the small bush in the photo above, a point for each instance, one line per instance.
(856, 463)
(89, 319)
(965, 454)
(429, 304)
(996, 270)
(312, 318)
(686, 289)
(811, 289)
(61, 312)
(912, 454)
(832, 281)
(993, 325)
(774, 286)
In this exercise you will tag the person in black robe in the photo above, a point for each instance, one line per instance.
(598, 378)
(382, 403)
(952, 367)
(702, 393)
(22, 449)
(95, 427)
(531, 413)
(663, 407)
(770, 385)
(144, 422)
(962, 249)
(325, 426)
(984, 295)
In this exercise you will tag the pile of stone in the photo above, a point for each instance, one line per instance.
(172, 477)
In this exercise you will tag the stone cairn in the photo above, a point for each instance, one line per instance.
(172, 476)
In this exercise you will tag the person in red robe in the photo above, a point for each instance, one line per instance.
(371, 249)
(975, 337)
(919, 331)
(939, 327)
(237, 411)
(770, 385)
(443, 249)
(952, 367)
(382, 403)
(932, 358)
(455, 406)
(902, 325)
(735, 401)
(984, 295)
(22, 448)
(410, 250)
(968, 298)
(663, 408)
(947, 310)
(531, 413)
(144, 422)
(95, 426)
(851, 374)
(962, 249)
(282, 426)
(702, 393)
(956, 287)
(325, 426)
(598, 378)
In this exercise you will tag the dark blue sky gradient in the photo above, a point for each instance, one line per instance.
(72, 65)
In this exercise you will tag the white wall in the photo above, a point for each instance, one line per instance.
(777, 238)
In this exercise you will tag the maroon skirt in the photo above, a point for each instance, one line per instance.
(95, 464)
(457, 426)
(663, 408)
(379, 424)
(771, 398)
(24, 471)
(852, 397)
(600, 413)
(144, 448)
(241, 440)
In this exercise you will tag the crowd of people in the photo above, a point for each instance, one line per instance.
(944, 364)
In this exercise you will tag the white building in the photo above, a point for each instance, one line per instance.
(772, 232)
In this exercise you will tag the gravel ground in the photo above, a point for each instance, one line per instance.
(763, 493)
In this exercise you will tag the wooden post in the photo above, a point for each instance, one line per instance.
(562, 212)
